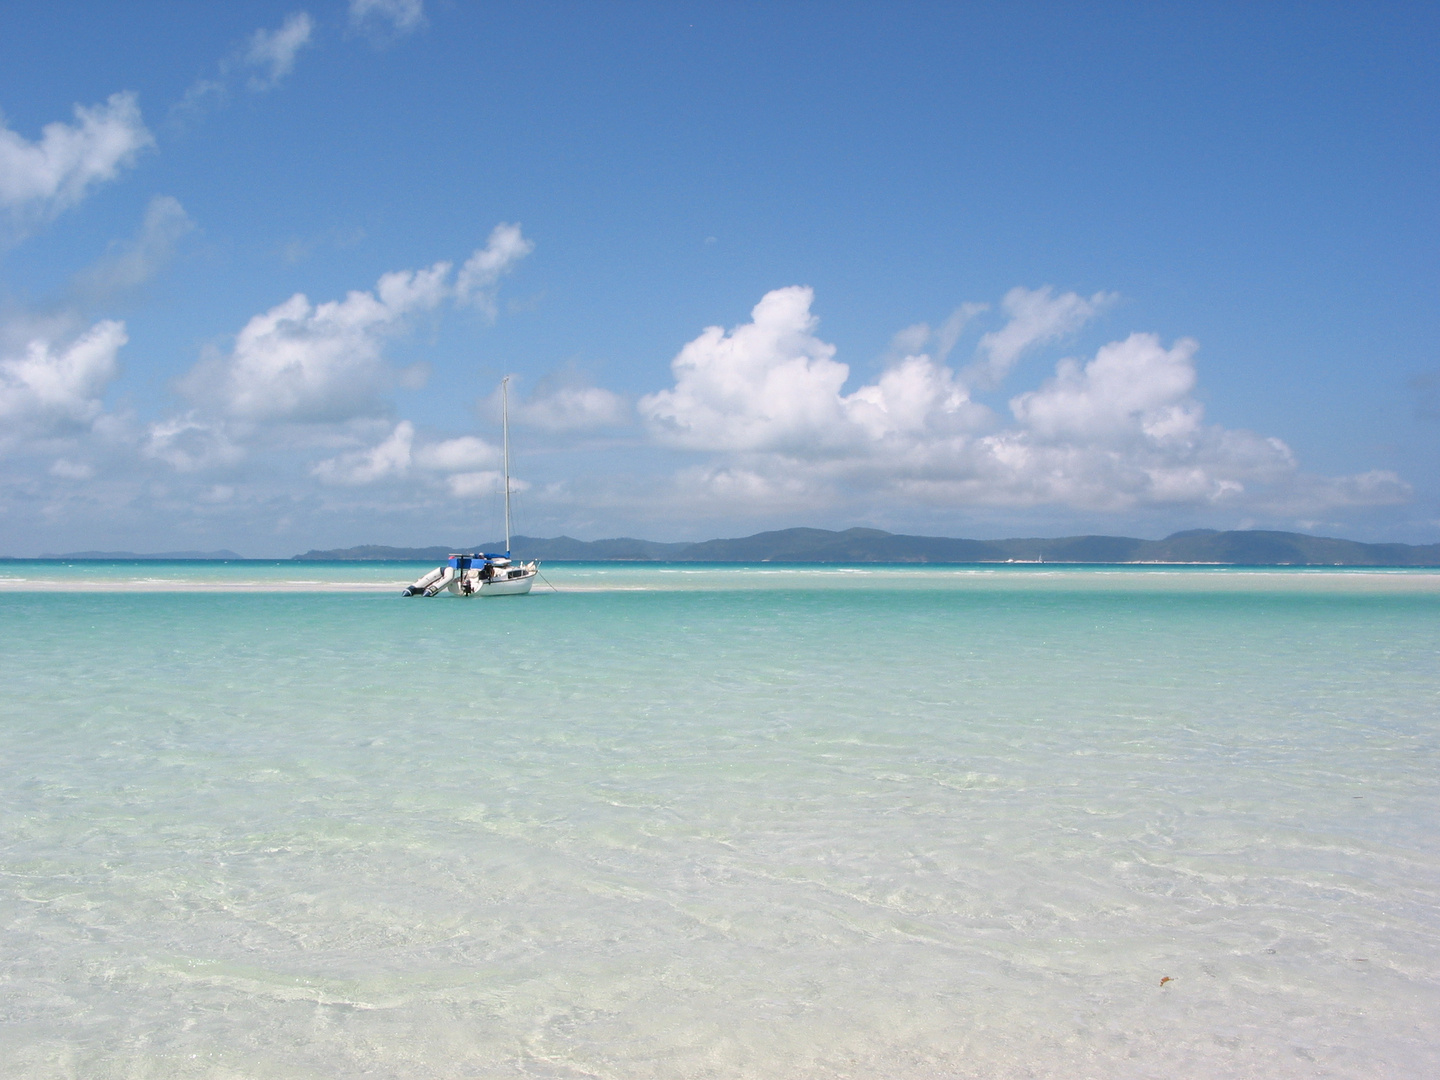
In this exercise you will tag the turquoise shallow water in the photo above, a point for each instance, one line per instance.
(719, 822)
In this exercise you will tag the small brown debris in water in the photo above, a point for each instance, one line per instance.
(1166, 979)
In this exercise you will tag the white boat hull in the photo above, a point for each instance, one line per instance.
(471, 585)
(499, 577)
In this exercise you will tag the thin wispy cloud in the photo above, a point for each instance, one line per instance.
(390, 458)
(562, 402)
(1036, 317)
(271, 53)
(937, 342)
(129, 264)
(475, 284)
(391, 17)
(265, 59)
(572, 408)
(1426, 390)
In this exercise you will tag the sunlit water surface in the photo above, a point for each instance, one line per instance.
(270, 820)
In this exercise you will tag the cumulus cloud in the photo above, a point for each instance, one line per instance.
(1036, 317)
(398, 16)
(273, 52)
(40, 179)
(772, 385)
(764, 419)
(49, 389)
(1119, 432)
(767, 384)
(1132, 387)
(316, 362)
(476, 282)
(130, 264)
(309, 362)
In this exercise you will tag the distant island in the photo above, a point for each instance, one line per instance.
(1234, 548)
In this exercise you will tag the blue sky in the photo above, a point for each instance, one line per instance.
(967, 270)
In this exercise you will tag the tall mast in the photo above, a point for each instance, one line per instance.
(505, 429)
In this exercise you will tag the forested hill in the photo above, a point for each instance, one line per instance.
(1240, 548)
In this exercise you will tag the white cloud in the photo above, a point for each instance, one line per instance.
(1120, 432)
(130, 264)
(72, 470)
(274, 51)
(767, 384)
(40, 179)
(268, 55)
(390, 458)
(571, 408)
(471, 484)
(303, 376)
(190, 444)
(293, 424)
(475, 284)
(49, 389)
(738, 490)
(199, 96)
(325, 362)
(397, 457)
(301, 361)
(1133, 387)
(772, 385)
(457, 455)
(1037, 317)
(913, 397)
(403, 16)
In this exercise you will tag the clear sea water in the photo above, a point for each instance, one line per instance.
(271, 820)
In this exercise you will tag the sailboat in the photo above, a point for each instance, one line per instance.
(484, 573)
